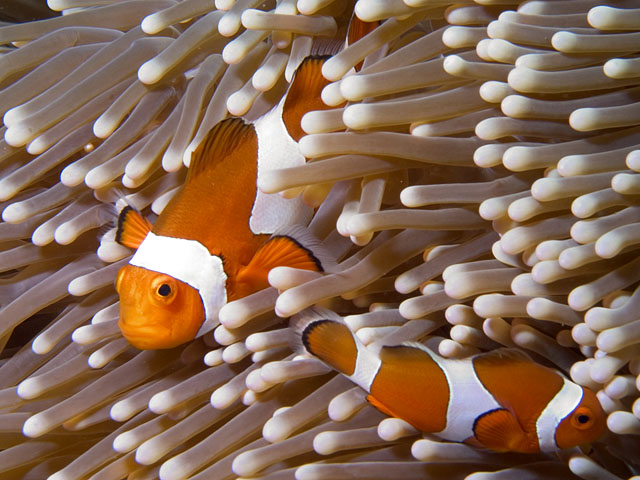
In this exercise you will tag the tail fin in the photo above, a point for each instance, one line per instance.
(323, 334)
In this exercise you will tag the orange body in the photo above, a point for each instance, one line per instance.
(501, 400)
(161, 310)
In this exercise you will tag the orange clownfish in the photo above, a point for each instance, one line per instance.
(501, 400)
(211, 243)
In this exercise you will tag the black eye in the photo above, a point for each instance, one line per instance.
(583, 419)
(164, 290)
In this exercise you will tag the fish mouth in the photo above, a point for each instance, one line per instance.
(145, 335)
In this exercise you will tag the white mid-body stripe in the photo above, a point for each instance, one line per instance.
(560, 406)
(468, 398)
(276, 149)
(190, 262)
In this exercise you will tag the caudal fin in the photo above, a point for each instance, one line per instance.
(324, 335)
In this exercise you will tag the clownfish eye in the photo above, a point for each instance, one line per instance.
(164, 290)
(582, 418)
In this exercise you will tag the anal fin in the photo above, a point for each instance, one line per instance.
(474, 442)
(380, 406)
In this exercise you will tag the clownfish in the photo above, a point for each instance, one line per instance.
(219, 236)
(501, 400)
(357, 30)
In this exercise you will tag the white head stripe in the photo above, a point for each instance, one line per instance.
(560, 406)
(190, 262)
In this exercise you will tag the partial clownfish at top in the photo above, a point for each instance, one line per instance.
(211, 244)
(357, 30)
(501, 400)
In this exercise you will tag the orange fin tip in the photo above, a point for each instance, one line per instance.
(221, 141)
(132, 227)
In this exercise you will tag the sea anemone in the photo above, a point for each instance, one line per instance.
(477, 187)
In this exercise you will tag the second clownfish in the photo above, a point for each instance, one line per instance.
(212, 243)
(501, 400)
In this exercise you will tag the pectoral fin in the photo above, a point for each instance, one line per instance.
(288, 249)
(499, 430)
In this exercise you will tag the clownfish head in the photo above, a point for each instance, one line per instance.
(585, 424)
(157, 310)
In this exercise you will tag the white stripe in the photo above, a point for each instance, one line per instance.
(276, 150)
(190, 262)
(367, 366)
(468, 398)
(560, 406)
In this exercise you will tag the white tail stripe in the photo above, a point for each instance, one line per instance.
(560, 406)
(190, 262)
(367, 366)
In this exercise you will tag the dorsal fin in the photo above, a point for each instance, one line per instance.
(221, 178)
(132, 227)
(220, 142)
(304, 94)
(501, 355)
